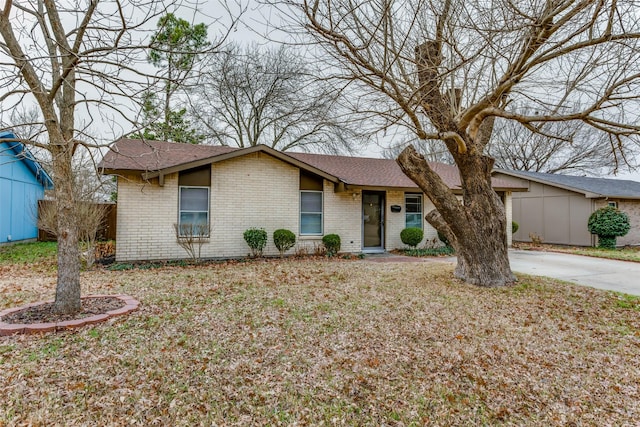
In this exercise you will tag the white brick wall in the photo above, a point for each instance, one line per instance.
(254, 190)
(146, 214)
(342, 216)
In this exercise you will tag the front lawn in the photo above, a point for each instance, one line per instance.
(622, 254)
(28, 253)
(326, 342)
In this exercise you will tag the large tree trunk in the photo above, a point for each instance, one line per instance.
(68, 288)
(476, 227)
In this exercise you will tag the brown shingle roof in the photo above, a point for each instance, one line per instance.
(372, 172)
(137, 155)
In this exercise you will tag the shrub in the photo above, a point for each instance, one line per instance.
(439, 251)
(332, 243)
(514, 227)
(443, 239)
(191, 237)
(411, 236)
(284, 240)
(608, 223)
(256, 238)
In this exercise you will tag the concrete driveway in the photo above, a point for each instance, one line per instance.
(621, 276)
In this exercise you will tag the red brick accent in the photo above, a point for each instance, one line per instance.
(131, 304)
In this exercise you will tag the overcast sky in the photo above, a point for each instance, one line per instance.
(258, 21)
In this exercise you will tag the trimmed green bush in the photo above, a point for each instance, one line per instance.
(284, 240)
(514, 227)
(608, 223)
(332, 243)
(256, 238)
(411, 236)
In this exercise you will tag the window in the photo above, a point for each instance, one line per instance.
(613, 204)
(311, 212)
(413, 210)
(194, 209)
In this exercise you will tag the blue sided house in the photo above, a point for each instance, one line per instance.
(22, 184)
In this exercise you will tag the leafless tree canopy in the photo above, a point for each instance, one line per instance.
(576, 149)
(565, 60)
(258, 95)
(580, 149)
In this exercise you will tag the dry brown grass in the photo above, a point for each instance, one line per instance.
(326, 343)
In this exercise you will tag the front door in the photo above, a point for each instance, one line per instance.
(372, 221)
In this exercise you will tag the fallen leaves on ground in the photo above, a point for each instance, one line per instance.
(327, 343)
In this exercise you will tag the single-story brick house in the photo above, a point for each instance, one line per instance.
(366, 201)
(557, 207)
(22, 183)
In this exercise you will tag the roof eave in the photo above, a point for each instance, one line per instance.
(511, 189)
(611, 196)
(22, 153)
(544, 181)
(238, 153)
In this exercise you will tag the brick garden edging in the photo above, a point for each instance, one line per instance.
(130, 304)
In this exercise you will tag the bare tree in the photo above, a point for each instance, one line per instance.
(78, 62)
(447, 69)
(191, 237)
(565, 147)
(89, 216)
(579, 149)
(430, 149)
(268, 96)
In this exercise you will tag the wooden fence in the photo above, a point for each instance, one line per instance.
(106, 232)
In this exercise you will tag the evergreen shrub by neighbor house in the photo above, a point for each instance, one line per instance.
(332, 243)
(608, 223)
(256, 238)
(284, 240)
(514, 227)
(411, 236)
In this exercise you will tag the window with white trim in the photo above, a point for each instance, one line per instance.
(310, 212)
(413, 210)
(613, 204)
(194, 209)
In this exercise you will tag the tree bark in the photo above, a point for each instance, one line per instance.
(476, 227)
(68, 287)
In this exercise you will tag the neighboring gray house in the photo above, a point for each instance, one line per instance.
(557, 207)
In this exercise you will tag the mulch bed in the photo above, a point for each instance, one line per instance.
(44, 313)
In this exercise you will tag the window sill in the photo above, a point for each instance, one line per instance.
(204, 238)
(310, 237)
